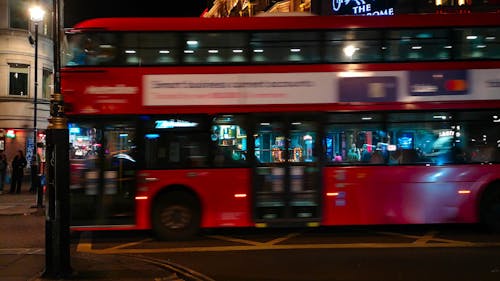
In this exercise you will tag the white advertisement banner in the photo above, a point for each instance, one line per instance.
(320, 87)
(234, 89)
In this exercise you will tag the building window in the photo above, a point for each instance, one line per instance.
(47, 84)
(18, 79)
(18, 14)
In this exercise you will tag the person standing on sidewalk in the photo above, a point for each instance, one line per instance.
(18, 165)
(3, 170)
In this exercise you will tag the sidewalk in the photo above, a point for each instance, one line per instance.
(22, 249)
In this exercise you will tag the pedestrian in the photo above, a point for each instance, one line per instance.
(3, 170)
(18, 165)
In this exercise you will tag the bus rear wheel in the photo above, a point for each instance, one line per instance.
(490, 208)
(176, 216)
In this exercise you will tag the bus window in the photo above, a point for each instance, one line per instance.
(353, 46)
(478, 43)
(270, 143)
(159, 48)
(171, 142)
(230, 141)
(215, 48)
(421, 137)
(285, 47)
(356, 138)
(417, 44)
(91, 49)
(477, 137)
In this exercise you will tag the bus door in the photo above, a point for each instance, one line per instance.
(287, 173)
(103, 165)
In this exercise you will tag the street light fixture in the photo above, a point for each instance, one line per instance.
(36, 16)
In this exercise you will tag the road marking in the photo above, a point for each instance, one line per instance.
(85, 242)
(131, 244)
(236, 240)
(255, 243)
(281, 239)
(425, 238)
(22, 251)
(287, 247)
(421, 241)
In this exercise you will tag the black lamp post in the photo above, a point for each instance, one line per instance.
(36, 16)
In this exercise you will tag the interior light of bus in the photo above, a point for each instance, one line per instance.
(192, 42)
(464, 191)
(383, 48)
(366, 118)
(490, 38)
(448, 47)
(424, 35)
(471, 37)
(169, 124)
(258, 51)
(296, 123)
(237, 51)
(330, 194)
(164, 51)
(141, 198)
(213, 51)
(416, 47)
(439, 117)
(295, 50)
(265, 124)
(188, 51)
(350, 50)
(240, 195)
(130, 52)
(481, 46)
(105, 46)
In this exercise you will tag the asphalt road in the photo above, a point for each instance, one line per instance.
(460, 252)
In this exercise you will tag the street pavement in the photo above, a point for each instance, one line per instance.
(22, 250)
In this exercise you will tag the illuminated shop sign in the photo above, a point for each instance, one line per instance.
(358, 7)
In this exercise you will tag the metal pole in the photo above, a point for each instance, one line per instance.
(35, 97)
(57, 248)
(35, 180)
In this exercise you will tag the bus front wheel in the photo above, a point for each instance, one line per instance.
(176, 216)
(490, 208)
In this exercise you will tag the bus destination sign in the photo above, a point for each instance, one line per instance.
(357, 7)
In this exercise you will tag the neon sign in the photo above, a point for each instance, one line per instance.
(361, 7)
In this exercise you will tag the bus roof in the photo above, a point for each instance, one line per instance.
(288, 23)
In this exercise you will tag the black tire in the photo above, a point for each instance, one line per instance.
(490, 208)
(176, 216)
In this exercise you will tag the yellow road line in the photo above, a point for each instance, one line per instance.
(281, 239)
(236, 240)
(290, 247)
(85, 242)
(417, 237)
(126, 245)
(255, 243)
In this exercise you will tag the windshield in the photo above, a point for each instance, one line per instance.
(90, 49)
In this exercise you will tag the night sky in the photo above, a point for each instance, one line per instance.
(78, 10)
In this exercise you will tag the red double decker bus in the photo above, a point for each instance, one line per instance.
(178, 124)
